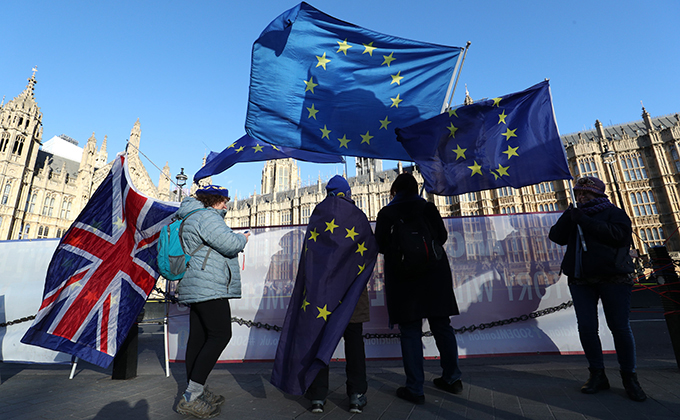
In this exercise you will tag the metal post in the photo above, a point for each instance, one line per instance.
(609, 157)
(181, 182)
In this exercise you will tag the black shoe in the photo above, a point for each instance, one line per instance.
(596, 382)
(454, 388)
(632, 386)
(407, 395)
(317, 406)
(357, 402)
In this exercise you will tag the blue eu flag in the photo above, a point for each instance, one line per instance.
(247, 149)
(321, 84)
(507, 141)
(337, 261)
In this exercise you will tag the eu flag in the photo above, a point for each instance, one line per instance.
(247, 149)
(335, 265)
(321, 84)
(102, 271)
(507, 141)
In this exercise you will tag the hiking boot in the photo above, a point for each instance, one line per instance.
(212, 398)
(405, 394)
(357, 402)
(317, 406)
(597, 381)
(455, 388)
(199, 408)
(632, 386)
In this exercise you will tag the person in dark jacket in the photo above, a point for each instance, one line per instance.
(410, 298)
(355, 355)
(600, 270)
(212, 278)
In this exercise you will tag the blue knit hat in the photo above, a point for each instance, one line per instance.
(338, 186)
(213, 190)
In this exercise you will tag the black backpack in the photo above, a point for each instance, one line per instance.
(414, 247)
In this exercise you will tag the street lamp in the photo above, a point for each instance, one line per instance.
(181, 182)
(609, 157)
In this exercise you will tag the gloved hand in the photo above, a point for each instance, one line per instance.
(577, 215)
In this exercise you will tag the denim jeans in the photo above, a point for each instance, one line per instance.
(616, 304)
(412, 352)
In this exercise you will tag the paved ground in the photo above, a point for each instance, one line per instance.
(534, 387)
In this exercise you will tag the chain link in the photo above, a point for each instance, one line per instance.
(17, 321)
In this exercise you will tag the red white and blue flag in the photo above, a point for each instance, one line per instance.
(102, 271)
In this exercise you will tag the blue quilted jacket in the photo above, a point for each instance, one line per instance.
(213, 272)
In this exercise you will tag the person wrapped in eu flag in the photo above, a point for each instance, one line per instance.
(329, 301)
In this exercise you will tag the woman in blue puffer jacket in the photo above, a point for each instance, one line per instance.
(212, 278)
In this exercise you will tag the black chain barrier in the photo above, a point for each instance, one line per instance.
(17, 321)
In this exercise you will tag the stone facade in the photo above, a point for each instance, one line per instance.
(43, 189)
(643, 157)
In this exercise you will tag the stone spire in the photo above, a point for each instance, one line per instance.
(164, 183)
(133, 142)
(102, 156)
(468, 100)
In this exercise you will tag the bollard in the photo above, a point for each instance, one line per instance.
(125, 361)
(670, 294)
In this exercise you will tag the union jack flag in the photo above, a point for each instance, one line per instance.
(102, 271)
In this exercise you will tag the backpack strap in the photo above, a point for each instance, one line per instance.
(181, 229)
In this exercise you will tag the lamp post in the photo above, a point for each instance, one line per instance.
(181, 182)
(609, 157)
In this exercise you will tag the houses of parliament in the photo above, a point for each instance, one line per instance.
(44, 186)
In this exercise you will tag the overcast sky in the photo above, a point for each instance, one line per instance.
(183, 67)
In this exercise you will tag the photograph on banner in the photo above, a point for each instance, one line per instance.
(504, 269)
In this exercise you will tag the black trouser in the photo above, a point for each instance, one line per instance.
(355, 368)
(209, 334)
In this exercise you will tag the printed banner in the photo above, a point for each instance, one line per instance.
(504, 268)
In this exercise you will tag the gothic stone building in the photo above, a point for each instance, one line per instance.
(638, 161)
(43, 187)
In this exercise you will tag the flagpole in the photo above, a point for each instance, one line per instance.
(578, 227)
(454, 78)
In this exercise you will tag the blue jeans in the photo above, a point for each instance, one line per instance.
(412, 352)
(616, 304)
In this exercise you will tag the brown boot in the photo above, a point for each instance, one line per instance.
(597, 381)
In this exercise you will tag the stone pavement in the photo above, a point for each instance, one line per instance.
(517, 387)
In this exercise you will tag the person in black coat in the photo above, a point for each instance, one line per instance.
(412, 297)
(602, 270)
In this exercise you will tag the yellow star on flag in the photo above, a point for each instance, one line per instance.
(361, 248)
(368, 48)
(509, 133)
(460, 152)
(313, 235)
(496, 102)
(322, 61)
(366, 138)
(351, 233)
(344, 46)
(257, 148)
(312, 112)
(240, 149)
(323, 312)
(304, 304)
(231, 145)
(502, 170)
(396, 78)
(310, 84)
(388, 59)
(452, 130)
(361, 269)
(476, 169)
(343, 141)
(395, 101)
(275, 148)
(330, 226)
(512, 151)
(384, 123)
(119, 222)
(501, 117)
(325, 132)
(452, 111)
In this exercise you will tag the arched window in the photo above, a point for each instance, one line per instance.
(46, 206)
(4, 141)
(40, 232)
(27, 229)
(5, 193)
(31, 207)
(18, 146)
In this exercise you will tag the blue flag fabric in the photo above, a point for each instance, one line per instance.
(102, 271)
(507, 141)
(247, 149)
(321, 84)
(335, 265)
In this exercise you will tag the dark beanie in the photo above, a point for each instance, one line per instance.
(590, 184)
(338, 186)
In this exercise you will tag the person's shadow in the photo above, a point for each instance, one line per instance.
(123, 410)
